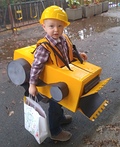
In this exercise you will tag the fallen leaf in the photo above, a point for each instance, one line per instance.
(13, 102)
(113, 90)
(11, 113)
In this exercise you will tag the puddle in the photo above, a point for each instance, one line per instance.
(78, 30)
(85, 28)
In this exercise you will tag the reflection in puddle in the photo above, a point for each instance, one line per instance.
(87, 27)
(79, 30)
(112, 4)
(81, 34)
(85, 33)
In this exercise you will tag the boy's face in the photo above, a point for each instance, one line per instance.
(53, 27)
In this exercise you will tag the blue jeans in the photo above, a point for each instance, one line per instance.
(56, 114)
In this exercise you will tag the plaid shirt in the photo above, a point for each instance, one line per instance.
(41, 57)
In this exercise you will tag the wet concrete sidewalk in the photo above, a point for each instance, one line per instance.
(100, 38)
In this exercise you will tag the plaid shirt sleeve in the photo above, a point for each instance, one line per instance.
(40, 58)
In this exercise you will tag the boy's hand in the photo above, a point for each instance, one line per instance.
(33, 90)
(83, 56)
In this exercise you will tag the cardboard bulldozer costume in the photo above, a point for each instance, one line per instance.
(75, 89)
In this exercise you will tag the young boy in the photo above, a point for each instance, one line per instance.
(53, 20)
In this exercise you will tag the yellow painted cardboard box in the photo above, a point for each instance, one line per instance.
(75, 90)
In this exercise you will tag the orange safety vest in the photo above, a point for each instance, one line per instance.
(54, 59)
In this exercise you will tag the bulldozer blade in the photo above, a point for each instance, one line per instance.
(98, 87)
(92, 105)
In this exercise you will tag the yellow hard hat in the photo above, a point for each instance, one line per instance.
(55, 12)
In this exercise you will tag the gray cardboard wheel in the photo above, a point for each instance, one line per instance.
(19, 71)
(59, 91)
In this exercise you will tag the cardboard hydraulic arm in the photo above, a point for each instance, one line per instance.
(75, 89)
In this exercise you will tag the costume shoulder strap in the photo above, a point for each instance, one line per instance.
(67, 38)
(41, 41)
(59, 56)
(74, 47)
(46, 44)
